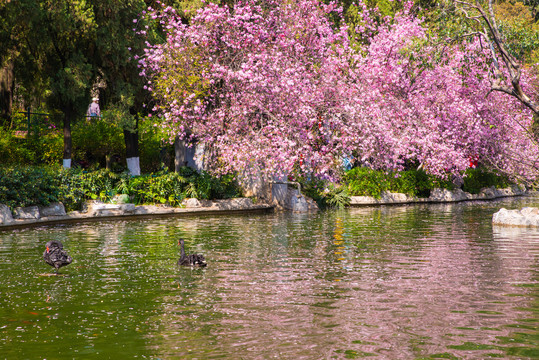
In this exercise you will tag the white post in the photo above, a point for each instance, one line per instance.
(133, 165)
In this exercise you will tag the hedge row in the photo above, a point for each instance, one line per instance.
(368, 182)
(25, 186)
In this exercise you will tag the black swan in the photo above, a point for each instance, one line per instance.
(192, 259)
(55, 255)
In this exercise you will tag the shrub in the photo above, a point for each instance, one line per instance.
(25, 186)
(150, 144)
(52, 147)
(161, 188)
(172, 188)
(97, 138)
(325, 193)
(412, 182)
(366, 182)
(369, 182)
(478, 178)
(14, 150)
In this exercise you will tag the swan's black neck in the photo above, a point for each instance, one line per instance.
(182, 253)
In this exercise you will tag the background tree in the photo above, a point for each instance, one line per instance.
(49, 47)
(506, 71)
(120, 86)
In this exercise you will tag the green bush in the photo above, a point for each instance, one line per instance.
(77, 186)
(150, 144)
(161, 188)
(51, 147)
(14, 150)
(478, 178)
(97, 138)
(369, 182)
(325, 193)
(172, 188)
(25, 186)
(366, 182)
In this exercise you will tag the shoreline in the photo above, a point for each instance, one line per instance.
(117, 212)
(437, 196)
(95, 211)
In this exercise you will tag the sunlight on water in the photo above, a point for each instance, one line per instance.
(407, 282)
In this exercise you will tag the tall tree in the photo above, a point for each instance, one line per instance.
(273, 86)
(506, 71)
(52, 41)
(115, 66)
(122, 88)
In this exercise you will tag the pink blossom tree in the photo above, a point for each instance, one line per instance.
(437, 103)
(272, 85)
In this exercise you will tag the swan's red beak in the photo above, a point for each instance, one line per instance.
(47, 249)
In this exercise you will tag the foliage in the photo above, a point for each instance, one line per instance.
(25, 186)
(520, 31)
(94, 139)
(274, 85)
(150, 140)
(13, 150)
(337, 196)
(51, 146)
(368, 182)
(325, 193)
(478, 178)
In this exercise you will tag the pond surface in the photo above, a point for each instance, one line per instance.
(403, 282)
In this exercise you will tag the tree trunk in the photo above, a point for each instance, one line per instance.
(68, 114)
(7, 85)
(131, 152)
(179, 154)
(108, 162)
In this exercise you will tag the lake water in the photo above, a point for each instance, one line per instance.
(401, 282)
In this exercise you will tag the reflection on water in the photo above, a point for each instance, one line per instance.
(404, 282)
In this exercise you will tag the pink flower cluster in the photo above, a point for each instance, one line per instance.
(272, 85)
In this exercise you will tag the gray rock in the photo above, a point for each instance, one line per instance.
(5, 214)
(279, 194)
(128, 208)
(121, 199)
(437, 196)
(29, 212)
(106, 209)
(445, 195)
(527, 216)
(388, 197)
(233, 204)
(54, 209)
(489, 193)
(298, 202)
(195, 203)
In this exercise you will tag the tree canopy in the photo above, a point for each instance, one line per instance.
(276, 86)
(280, 85)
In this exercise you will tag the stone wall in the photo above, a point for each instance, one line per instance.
(437, 196)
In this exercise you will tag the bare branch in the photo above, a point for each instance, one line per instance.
(512, 66)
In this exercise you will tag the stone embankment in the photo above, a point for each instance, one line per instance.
(293, 200)
(437, 196)
(96, 210)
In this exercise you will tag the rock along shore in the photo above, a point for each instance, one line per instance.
(98, 211)
(437, 196)
(525, 217)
